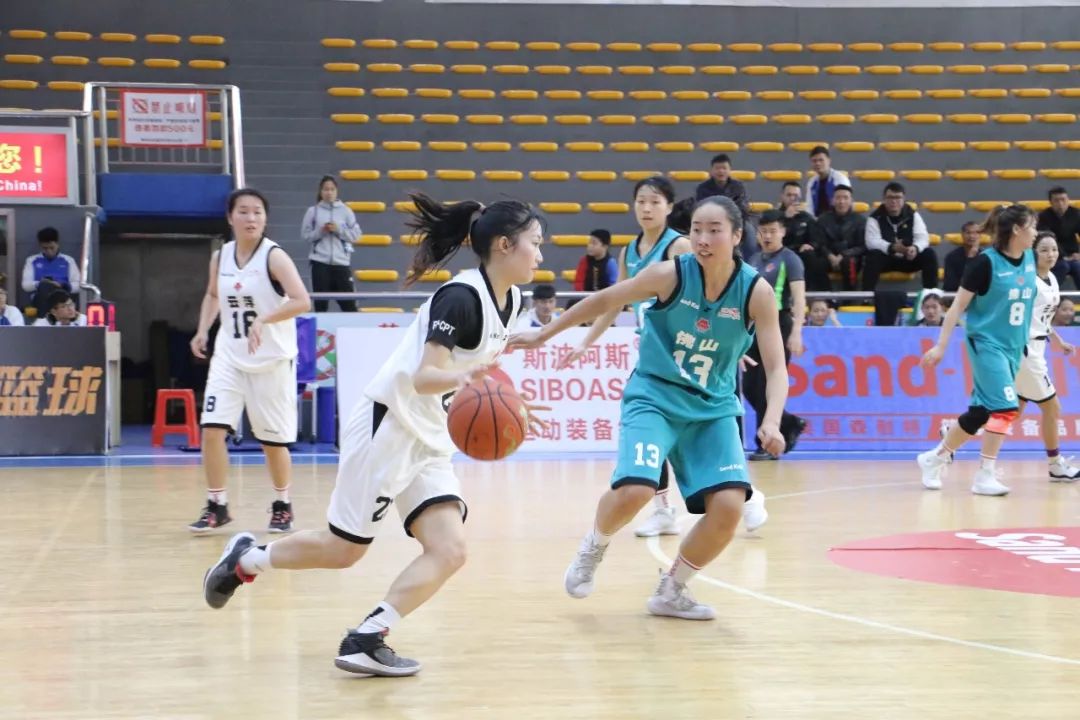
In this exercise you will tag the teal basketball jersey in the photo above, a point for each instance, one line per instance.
(635, 263)
(1002, 316)
(690, 347)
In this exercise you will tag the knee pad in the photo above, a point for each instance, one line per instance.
(973, 420)
(1001, 422)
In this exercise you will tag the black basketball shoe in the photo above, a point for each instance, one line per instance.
(367, 654)
(221, 581)
(213, 516)
(281, 517)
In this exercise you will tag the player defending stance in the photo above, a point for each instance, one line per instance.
(997, 291)
(256, 291)
(396, 447)
(680, 403)
(1033, 382)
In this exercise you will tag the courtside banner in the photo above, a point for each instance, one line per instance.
(37, 166)
(52, 391)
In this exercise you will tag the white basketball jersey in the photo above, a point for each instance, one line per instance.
(243, 295)
(425, 415)
(1046, 302)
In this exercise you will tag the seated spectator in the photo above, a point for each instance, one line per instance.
(1064, 221)
(597, 269)
(822, 314)
(897, 241)
(542, 311)
(841, 232)
(720, 182)
(9, 314)
(62, 312)
(797, 236)
(823, 183)
(931, 310)
(958, 259)
(1065, 313)
(49, 271)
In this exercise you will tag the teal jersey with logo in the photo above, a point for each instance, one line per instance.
(689, 354)
(1002, 316)
(635, 263)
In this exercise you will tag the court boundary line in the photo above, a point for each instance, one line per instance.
(653, 545)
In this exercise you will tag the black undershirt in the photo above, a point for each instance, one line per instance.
(977, 273)
(457, 315)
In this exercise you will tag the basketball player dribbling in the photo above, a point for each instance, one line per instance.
(395, 447)
(256, 291)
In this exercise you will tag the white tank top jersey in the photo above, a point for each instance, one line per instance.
(243, 295)
(1047, 298)
(425, 415)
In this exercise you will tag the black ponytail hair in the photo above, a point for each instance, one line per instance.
(443, 228)
(318, 193)
(679, 219)
(660, 184)
(235, 195)
(1001, 220)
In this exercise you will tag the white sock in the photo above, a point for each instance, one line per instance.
(282, 494)
(599, 539)
(682, 570)
(256, 560)
(987, 463)
(383, 618)
(661, 501)
(221, 497)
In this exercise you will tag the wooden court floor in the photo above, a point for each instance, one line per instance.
(102, 614)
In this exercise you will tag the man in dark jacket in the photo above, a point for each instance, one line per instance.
(897, 240)
(957, 259)
(841, 232)
(720, 182)
(1064, 221)
(797, 236)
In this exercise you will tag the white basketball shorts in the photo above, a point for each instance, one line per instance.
(1033, 379)
(268, 396)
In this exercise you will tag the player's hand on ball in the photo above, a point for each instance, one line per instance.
(772, 441)
(932, 357)
(528, 340)
(475, 374)
(255, 336)
(198, 345)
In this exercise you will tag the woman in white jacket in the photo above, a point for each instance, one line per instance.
(331, 229)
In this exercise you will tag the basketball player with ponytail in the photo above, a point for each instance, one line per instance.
(997, 292)
(395, 446)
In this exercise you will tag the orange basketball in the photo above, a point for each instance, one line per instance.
(487, 419)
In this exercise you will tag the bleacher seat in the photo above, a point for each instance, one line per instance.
(376, 275)
(22, 34)
(503, 175)
(117, 37)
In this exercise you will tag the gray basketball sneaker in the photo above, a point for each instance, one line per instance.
(674, 600)
(579, 576)
(368, 654)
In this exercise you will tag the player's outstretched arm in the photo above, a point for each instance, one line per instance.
(604, 321)
(771, 344)
(433, 377)
(952, 317)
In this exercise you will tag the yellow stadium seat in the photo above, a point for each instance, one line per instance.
(75, 60)
(17, 59)
(1070, 144)
(584, 146)
(427, 68)
(390, 92)
(968, 174)
(744, 175)
(1068, 92)
(569, 275)
(921, 174)
(374, 240)
(843, 70)
(511, 69)
(648, 95)
(421, 44)
(817, 94)
(338, 67)
(896, 276)
(360, 174)
(968, 119)
(733, 95)
(376, 275)
(583, 46)
(435, 276)
(376, 67)
(596, 175)
(1012, 118)
(115, 37)
(782, 175)
(854, 146)
(549, 175)
(689, 175)
(1066, 45)
(434, 93)
(775, 95)
(801, 70)
(337, 43)
(1028, 46)
(792, 119)
(622, 240)
(945, 146)
(465, 45)
(355, 145)
(704, 47)
(379, 44)
(636, 70)
(529, 119)
(935, 239)
(865, 47)
(1009, 69)
(946, 94)
(636, 175)
(609, 207)
(595, 70)
(923, 119)
(760, 207)
(989, 145)
(661, 119)
(556, 94)
(944, 207)
(874, 174)
(679, 70)
(349, 118)
(759, 70)
(483, 94)
(498, 146)
(534, 146)
(1036, 145)
(543, 276)
(1060, 173)
(455, 174)
(720, 146)
(624, 47)
(560, 208)
(906, 46)
(749, 119)
(163, 39)
(925, 69)
(884, 69)
(859, 94)
(745, 47)
(1057, 118)
(570, 240)
(367, 206)
(968, 69)
(903, 94)
(212, 40)
(825, 47)
(1040, 205)
(989, 93)
(503, 45)
(958, 238)
(333, 92)
(571, 120)
(1032, 93)
(395, 118)
(664, 47)
(484, 119)
(410, 239)
(605, 94)
(690, 95)
(674, 146)
(468, 69)
(987, 46)
(65, 85)
(1051, 68)
(785, 47)
(447, 146)
(553, 69)
(1015, 174)
(718, 70)
(617, 119)
(880, 119)
(116, 62)
(27, 34)
(407, 174)
(805, 146)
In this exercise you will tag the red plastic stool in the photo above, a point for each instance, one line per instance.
(190, 426)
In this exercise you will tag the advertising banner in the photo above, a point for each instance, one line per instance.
(163, 118)
(37, 166)
(52, 391)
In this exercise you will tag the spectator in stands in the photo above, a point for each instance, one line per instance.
(931, 309)
(720, 182)
(542, 311)
(9, 314)
(49, 271)
(822, 314)
(797, 236)
(1065, 313)
(897, 240)
(1064, 221)
(958, 259)
(823, 183)
(841, 232)
(597, 269)
(62, 312)
(331, 228)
